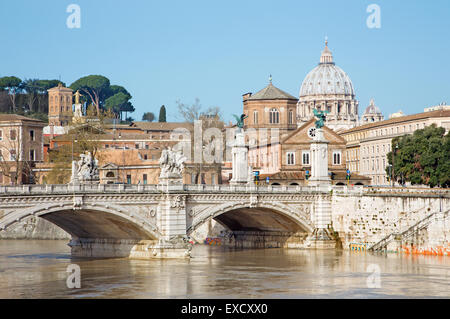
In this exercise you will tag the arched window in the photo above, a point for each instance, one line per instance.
(110, 174)
(274, 116)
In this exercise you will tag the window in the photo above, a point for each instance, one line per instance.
(12, 135)
(32, 155)
(1, 135)
(213, 179)
(290, 158)
(274, 116)
(193, 178)
(128, 179)
(305, 158)
(12, 155)
(144, 177)
(1, 155)
(255, 117)
(291, 117)
(137, 146)
(336, 158)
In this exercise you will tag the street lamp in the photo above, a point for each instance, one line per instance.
(395, 148)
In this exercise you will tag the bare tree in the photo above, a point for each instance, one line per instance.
(15, 157)
(210, 118)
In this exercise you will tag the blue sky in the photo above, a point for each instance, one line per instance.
(164, 51)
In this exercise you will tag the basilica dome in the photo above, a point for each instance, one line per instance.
(328, 88)
(327, 78)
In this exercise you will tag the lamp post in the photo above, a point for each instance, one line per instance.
(394, 150)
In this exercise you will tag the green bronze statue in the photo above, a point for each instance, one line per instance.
(321, 115)
(240, 120)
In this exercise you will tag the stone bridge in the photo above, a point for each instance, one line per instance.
(156, 221)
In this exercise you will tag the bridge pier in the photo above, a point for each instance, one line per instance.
(321, 238)
(126, 248)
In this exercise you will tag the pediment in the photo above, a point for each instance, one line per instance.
(300, 135)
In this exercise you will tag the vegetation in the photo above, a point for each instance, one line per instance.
(422, 158)
(103, 96)
(162, 114)
(28, 97)
(82, 138)
(148, 116)
(210, 118)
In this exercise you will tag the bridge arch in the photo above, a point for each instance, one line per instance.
(89, 221)
(264, 216)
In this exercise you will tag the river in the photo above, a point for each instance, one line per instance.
(38, 269)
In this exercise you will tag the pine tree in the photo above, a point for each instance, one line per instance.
(162, 114)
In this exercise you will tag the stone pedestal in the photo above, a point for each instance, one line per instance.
(321, 238)
(319, 160)
(240, 160)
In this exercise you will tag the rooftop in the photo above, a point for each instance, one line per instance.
(419, 116)
(271, 92)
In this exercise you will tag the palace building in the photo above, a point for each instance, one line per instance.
(368, 144)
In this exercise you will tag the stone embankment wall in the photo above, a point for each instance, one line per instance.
(34, 228)
(369, 217)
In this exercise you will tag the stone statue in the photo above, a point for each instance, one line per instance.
(171, 163)
(321, 115)
(240, 120)
(87, 168)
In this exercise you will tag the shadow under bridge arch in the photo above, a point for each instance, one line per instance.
(262, 226)
(93, 222)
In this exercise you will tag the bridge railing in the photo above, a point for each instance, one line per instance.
(221, 188)
(132, 188)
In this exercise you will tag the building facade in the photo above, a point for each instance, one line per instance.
(269, 110)
(21, 147)
(369, 144)
(288, 161)
(60, 111)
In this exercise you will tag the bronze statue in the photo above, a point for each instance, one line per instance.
(240, 120)
(321, 115)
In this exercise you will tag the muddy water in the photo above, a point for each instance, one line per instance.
(37, 269)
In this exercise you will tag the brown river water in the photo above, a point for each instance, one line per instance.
(38, 269)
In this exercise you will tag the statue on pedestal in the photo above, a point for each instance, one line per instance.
(85, 170)
(171, 163)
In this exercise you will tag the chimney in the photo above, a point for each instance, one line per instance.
(246, 96)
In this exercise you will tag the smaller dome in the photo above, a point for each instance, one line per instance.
(372, 109)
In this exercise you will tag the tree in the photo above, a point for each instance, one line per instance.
(97, 88)
(162, 114)
(82, 138)
(191, 113)
(115, 102)
(422, 158)
(31, 87)
(210, 118)
(148, 116)
(13, 85)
